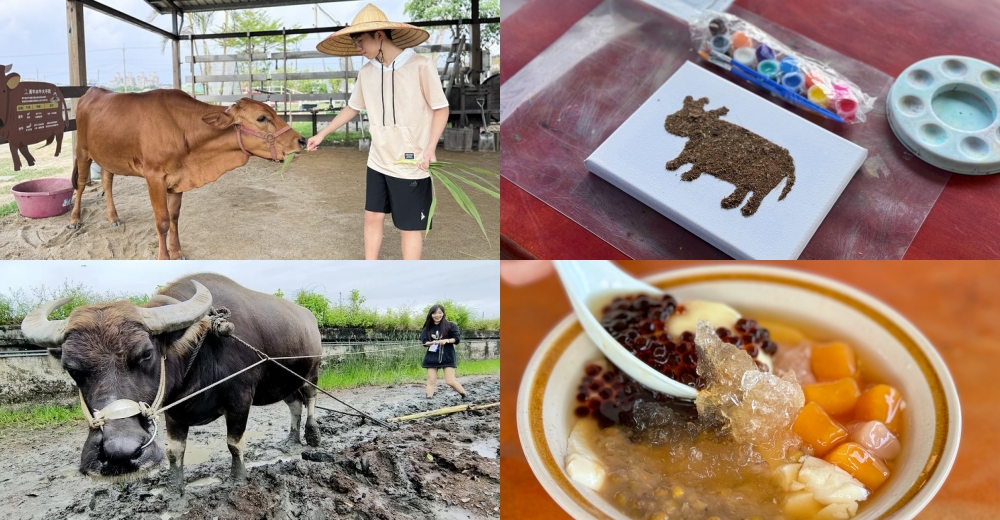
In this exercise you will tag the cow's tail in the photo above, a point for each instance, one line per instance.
(789, 182)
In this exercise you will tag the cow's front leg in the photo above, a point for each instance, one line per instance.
(735, 198)
(59, 137)
(176, 443)
(173, 239)
(682, 159)
(691, 174)
(236, 426)
(82, 170)
(107, 180)
(294, 402)
(312, 427)
(161, 216)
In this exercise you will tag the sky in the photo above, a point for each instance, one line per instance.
(384, 284)
(33, 37)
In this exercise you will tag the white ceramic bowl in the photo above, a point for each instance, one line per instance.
(885, 341)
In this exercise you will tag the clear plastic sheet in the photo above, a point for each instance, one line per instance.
(561, 106)
(819, 82)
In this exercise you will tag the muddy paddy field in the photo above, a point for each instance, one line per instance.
(314, 210)
(442, 467)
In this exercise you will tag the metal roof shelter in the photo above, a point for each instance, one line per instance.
(177, 8)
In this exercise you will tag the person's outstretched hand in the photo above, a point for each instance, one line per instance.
(313, 143)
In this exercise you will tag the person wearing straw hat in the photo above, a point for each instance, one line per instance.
(407, 112)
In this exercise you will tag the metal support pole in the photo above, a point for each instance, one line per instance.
(284, 85)
(191, 39)
(176, 48)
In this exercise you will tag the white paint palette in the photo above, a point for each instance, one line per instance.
(944, 110)
(634, 159)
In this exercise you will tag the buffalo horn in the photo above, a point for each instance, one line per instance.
(39, 330)
(169, 318)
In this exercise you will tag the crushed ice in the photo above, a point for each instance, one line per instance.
(752, 406)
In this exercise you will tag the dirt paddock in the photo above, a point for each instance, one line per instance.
(444, 467)
(314, 211)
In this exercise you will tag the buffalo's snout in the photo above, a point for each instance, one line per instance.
(120, 448)
(302, 143)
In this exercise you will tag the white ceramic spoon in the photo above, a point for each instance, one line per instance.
(588, 283)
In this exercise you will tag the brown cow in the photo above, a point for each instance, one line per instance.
(175, 142)
(30, 112)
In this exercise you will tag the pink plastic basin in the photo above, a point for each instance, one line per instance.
(42, 198)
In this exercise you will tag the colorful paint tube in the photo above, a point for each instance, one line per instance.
(746, 56)
(720, 43)
(768, 68)
(794, 81)
(764, 53)
(817, 95)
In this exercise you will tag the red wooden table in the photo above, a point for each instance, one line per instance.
(890, 36)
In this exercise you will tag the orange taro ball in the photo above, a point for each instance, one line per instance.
(881, 403)
(860, 463)
(835, 397)
(818, 429)
(834, 361)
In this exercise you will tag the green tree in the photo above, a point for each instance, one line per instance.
(256, 20)
(279, 294)
(455, 312)
(426, 10)
(315, 302)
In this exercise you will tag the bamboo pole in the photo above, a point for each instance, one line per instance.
(443, 411)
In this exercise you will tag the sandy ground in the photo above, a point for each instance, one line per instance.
(359, 470)
(314, 211)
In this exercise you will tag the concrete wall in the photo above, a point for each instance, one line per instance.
(34, 380)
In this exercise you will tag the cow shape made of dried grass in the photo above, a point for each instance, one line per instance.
(729, 152)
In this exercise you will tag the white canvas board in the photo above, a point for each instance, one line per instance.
(634, 159)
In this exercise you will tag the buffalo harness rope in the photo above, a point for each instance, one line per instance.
(220, 326)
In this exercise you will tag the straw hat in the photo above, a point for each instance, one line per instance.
(371, 18)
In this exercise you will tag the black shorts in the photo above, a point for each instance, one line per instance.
(408, 200)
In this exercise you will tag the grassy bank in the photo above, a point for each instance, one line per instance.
(340, 378)
(42, 416)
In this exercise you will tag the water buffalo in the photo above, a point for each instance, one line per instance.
(175, 142)
(151, 354)
(721, 149)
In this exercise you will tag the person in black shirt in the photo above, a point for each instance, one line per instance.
(440, 337)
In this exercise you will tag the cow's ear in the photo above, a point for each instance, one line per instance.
(220, 120)
(56, 352)
(13, 81)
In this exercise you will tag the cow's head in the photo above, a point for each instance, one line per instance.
(7, 84)
(114, 353)
(679, 123)
(260, 119)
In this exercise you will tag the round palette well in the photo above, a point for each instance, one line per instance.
(946, 110)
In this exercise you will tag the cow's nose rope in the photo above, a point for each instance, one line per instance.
(124, 408)
(269, 138)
